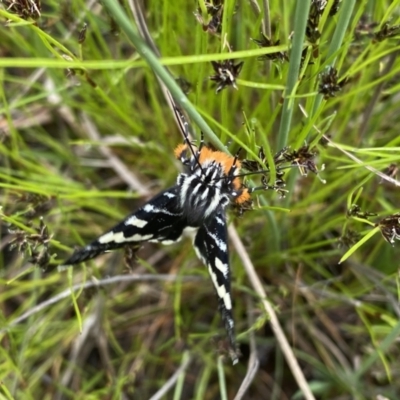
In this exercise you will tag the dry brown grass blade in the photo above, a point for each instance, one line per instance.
(82, 344)
(254, 362)
(186, 360)
(114, 162)
(358, 161)
(275, 325)
(96, 283)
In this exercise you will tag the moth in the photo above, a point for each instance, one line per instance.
(197, 204)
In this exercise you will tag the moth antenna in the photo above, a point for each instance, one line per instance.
(189, 144)
(263, 171)
(201, 141)
(236, 156)
(233, 167)
(182, 123)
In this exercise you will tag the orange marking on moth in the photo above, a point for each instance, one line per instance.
(224, 159)
(243, 197)
(207, 155)
(179, 150)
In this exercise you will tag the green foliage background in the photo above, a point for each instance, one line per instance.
(86, 137)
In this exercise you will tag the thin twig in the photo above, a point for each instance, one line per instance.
(186, 359)
(302, 287)
(330, 326)
(275, 325)
(358, 161)
(38, 73)
(376, 278)
(33, 115)
(144, 32)
(114, 162)
(254, 362)
(255, 7)
(83, 343)
(97, 283)
(267, 19)
(151, 334)
(331, 346)
(375, 97)
(266, 28)
(354, 158)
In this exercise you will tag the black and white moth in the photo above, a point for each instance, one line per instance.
(197, 203)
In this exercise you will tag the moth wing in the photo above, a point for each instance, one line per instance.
(159, 220)
(211, 245)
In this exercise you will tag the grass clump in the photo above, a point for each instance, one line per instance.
(86, 137)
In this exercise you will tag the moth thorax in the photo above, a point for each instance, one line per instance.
(201, 194)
